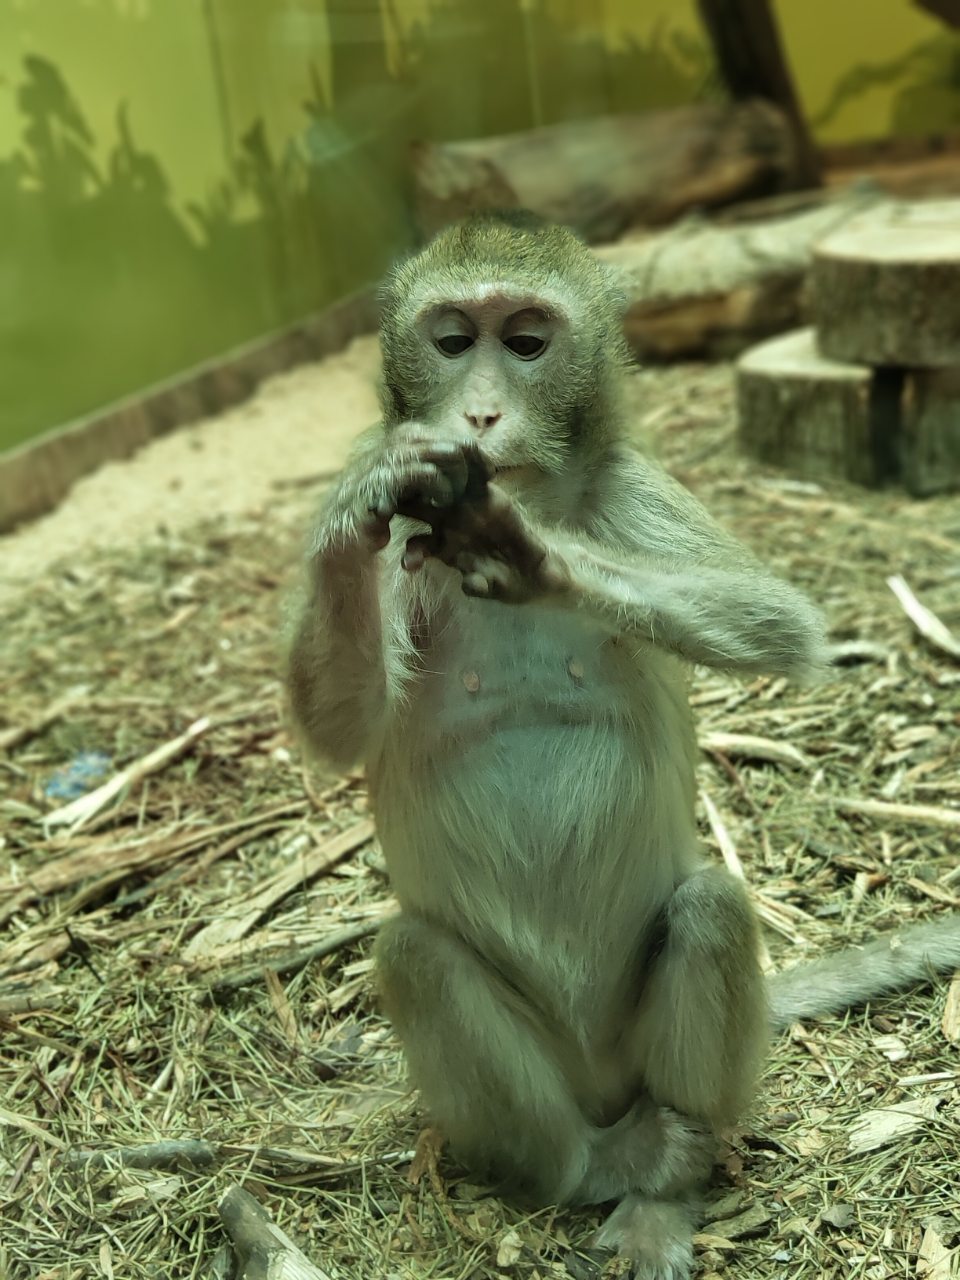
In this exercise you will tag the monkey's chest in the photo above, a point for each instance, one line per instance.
(508, 668)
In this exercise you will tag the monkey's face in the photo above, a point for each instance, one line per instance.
(509, 336)
(495, 355)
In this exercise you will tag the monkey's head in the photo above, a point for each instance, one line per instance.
(509, 330)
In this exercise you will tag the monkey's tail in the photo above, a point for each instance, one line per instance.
(857, 974)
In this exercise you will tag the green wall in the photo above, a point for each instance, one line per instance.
(180, 176)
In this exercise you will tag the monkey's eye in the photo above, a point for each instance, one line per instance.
(526, 345)
(454, 344)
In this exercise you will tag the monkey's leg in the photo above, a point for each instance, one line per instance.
(702, 1023)
(482, 1061)
(697, 1042)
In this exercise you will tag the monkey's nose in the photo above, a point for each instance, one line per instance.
(483, 421)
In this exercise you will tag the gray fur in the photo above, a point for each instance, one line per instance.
(576, 990)
(858, 974)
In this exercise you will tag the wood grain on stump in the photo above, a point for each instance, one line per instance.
(886, 290)
(930, 430)
(810, 414)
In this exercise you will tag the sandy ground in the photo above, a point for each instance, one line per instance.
(298, 426)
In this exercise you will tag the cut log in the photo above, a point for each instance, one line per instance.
(887, 291)
(702, 289)
(799, 410)
(601, 176)
(930, 431)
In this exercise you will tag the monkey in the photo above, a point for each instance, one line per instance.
(503, 602)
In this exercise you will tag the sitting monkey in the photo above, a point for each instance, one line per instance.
(503, 595)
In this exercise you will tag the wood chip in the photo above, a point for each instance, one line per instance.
(839, 1215)
(263, 1250)
(933, 891)
(509, 1249)
(749, 746)
(892, 1047)
(934, 1260)
(879, 1128)
(920, 814)
(926, 622)
(950, 1024)
(283, 1009)
(749, 1223)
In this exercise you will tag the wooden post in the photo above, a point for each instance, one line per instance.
(947, 11)
(749, 52)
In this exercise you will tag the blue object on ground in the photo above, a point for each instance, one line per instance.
(75, 779)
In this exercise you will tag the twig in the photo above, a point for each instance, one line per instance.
(925, 620)
(19, 734)
(298, 959)
(81, 811)
(301, 871)
(17, 1121)
(173, 1154)
(107, 863)
(921, 814)
(751, 747)
(263, 1250)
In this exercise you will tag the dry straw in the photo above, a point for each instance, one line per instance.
(185, 989)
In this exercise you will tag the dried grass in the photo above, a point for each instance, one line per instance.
(134, 1003)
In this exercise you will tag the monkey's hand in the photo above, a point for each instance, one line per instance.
(412, 474)
(492, 544)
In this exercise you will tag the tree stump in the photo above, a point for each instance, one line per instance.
(886, 290)
(799, 410)
(601, 176)
(930, 430)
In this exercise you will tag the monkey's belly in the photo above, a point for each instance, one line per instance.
(549, 836)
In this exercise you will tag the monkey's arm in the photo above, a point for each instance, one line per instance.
(658, 566)
(338, 674)
(335, 670)
(738, 620)
(650, 563)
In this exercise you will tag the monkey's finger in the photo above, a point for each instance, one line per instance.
(429, 491)
(375, 530)
(419, 548)
(418, 484)
(475, 584)
(479, 473)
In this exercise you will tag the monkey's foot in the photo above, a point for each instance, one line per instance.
(656, 1235)
(426, 1158)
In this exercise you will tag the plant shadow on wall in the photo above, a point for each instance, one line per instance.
(107, 287)
(109, 283)
(928, 99)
